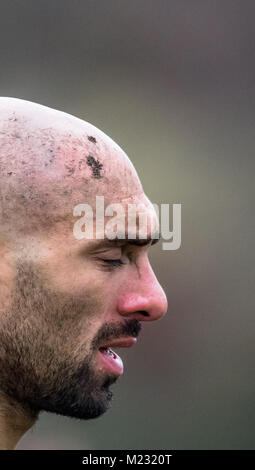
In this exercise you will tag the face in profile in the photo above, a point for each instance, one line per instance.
(72, 303)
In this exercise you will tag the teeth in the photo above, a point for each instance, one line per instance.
(109, 352)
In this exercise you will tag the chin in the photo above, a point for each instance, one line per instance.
(80, 406)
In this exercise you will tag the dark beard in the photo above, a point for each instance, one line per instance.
(75, 393)
(35, 369)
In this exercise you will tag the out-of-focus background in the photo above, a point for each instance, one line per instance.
(172, 82)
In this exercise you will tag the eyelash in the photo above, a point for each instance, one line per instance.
(114, 263)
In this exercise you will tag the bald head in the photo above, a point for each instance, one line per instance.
(50, 161)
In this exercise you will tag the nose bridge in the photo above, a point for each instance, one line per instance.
(145, 298)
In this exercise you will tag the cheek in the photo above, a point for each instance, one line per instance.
(78, 311)
(73, 324)
(68, 276)
(83, 282)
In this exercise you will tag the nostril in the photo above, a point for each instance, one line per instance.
(144, 313)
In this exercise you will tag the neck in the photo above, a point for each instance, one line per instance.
(15, 420)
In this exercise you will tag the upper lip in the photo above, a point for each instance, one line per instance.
(124, 342)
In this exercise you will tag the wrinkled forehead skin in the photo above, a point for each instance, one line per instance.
(50, 161)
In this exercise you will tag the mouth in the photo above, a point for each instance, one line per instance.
(109, 360)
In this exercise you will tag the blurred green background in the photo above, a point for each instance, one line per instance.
(172, 82)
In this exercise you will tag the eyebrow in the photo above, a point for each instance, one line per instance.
(129, 241)
(141, 241)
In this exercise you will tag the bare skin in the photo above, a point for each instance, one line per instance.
(62, 298)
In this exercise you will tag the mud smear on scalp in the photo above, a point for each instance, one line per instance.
(92, 139)
(96, 166)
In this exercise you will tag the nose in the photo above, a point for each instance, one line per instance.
(144, 298)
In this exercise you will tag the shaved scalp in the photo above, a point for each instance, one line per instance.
(49, 162)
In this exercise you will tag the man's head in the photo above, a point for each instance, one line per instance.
(64, 300)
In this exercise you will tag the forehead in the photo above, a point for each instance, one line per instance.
(118, 185)
(86, 166)
(130, 218)
(62, 242)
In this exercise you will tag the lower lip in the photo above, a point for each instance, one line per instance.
(112, 364)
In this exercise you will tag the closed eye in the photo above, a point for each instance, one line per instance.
(113, 262)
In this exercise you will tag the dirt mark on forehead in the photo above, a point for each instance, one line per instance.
(92, 139)
(96, 167)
